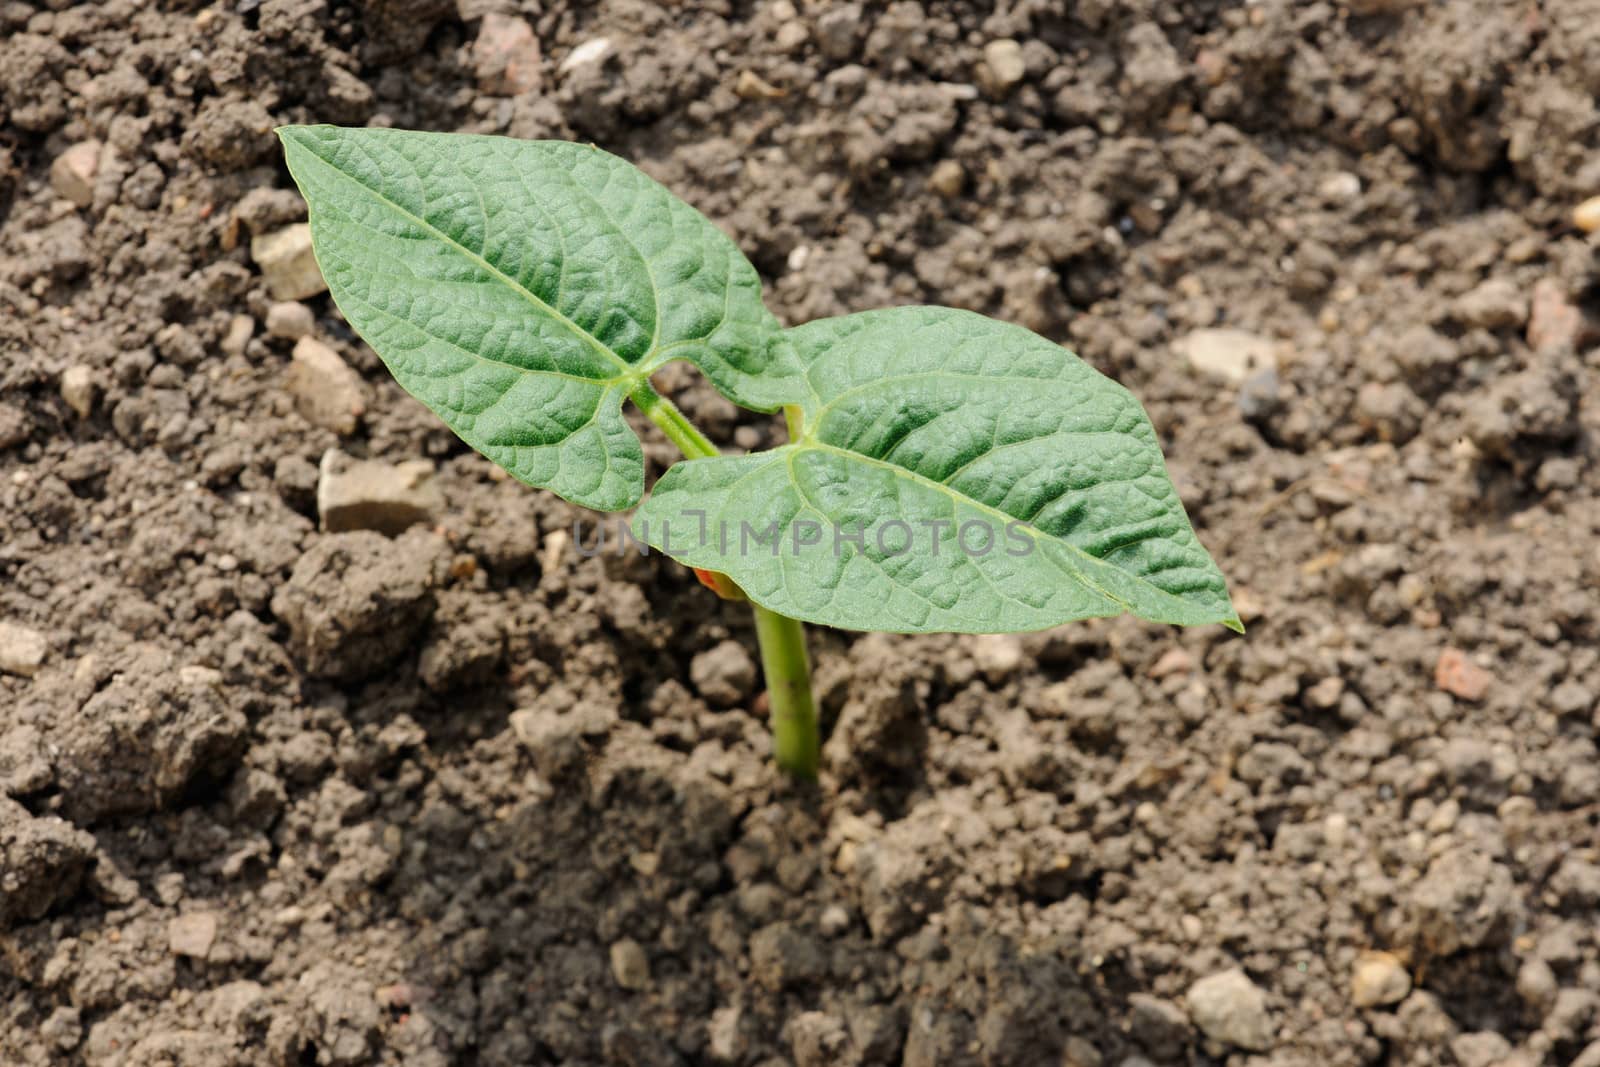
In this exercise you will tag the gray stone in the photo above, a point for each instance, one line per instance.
(192, 934)
(73, 172)
(288, 265)
(290, 319)
(325, 389)
(78, 389)
(592, 52)
(629, 965)
(1231, 1010)
(22, 650)
(1226, 353)
(354, 494)
(1003, 66)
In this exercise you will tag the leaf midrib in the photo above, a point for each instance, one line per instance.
(631, 375)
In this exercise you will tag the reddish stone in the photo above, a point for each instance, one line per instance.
(506, 56)
(1553, 321)
(1459, 676)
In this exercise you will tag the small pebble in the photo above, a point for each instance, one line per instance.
(1554, 321)
(287, 263)
(289, 319)
(1459, 676)
(1325, 695)
(1231, 1010)
(1484, 1048)
(78, 389)
(22, 650)
(1226, 353)
(14, 426)
(1495, 304)
(751, 86)
(998, 656)
(1339, 188)
(1586, 216)
(947, 179)
(1172, 661)
(192, 934)
(1379, 978)
(594, 51)
(1003, 66)
(325, 388)
(355, 494)
(240, 329)
(629, 965)
(505, 55)
(73, 172)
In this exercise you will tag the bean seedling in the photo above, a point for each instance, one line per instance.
(944, 472)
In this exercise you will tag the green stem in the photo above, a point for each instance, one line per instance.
(674, 423)
(794, 711)
(782, 639)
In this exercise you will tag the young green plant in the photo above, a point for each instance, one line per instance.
(944, 472)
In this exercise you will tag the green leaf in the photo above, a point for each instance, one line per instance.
(923, 416)
(522, 289)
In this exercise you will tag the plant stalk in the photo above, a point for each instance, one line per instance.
(674, 423)
(788, 672)
(783, 640)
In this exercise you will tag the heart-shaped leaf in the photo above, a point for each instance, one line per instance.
(522, 289)
(953, 473)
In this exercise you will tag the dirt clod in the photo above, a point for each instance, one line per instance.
(357, 601)
(42, 863)
(1464, 900)
(724, 675)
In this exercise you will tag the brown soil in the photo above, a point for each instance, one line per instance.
(280, 796)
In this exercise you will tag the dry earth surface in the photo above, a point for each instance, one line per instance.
(320, 762)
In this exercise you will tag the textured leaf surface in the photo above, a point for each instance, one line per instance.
(944, 421)
(521, 289)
